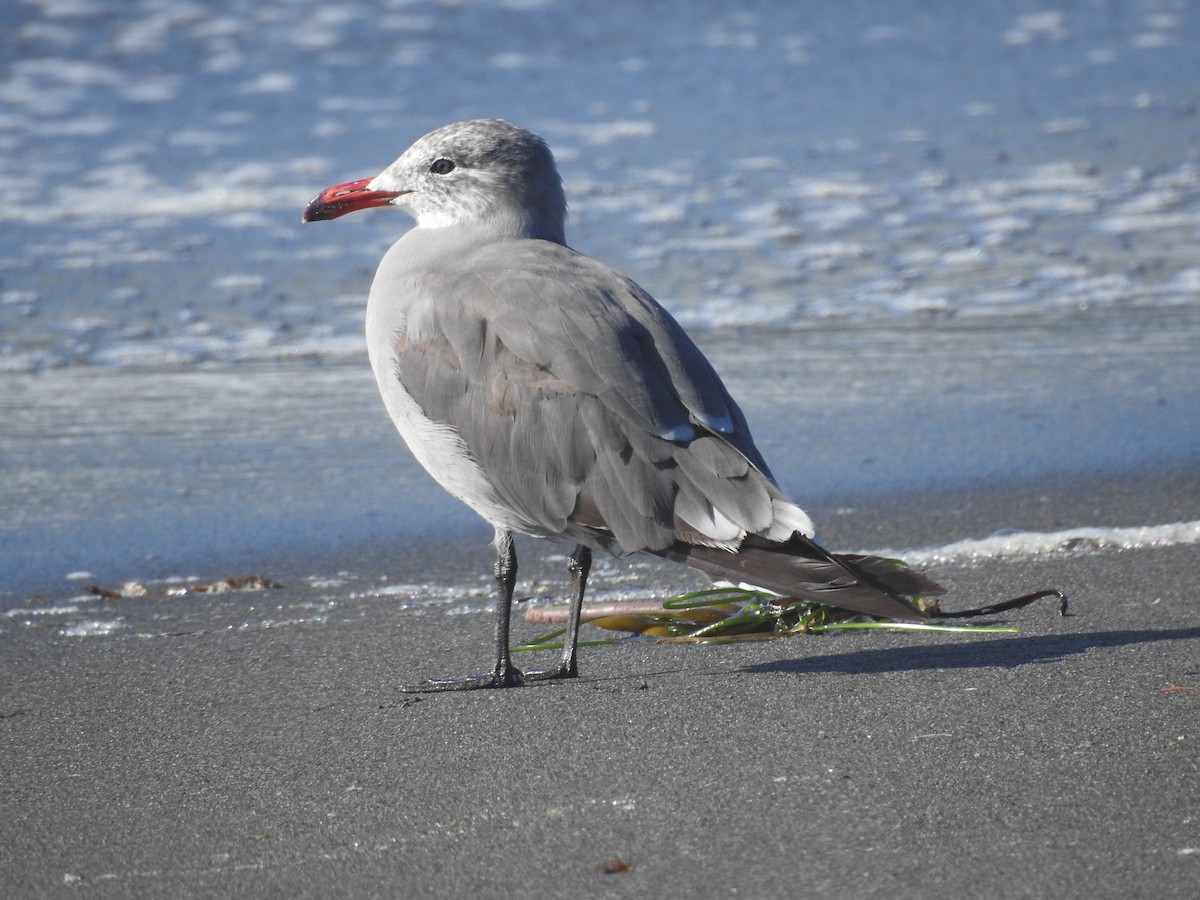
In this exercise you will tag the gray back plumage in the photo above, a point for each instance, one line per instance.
(588, 407)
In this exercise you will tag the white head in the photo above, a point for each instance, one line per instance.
(481, 172)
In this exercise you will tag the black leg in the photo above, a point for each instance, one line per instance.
(568, 667)
(504, 673)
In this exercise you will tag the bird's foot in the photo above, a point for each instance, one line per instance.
(562, 670)
(499, 678)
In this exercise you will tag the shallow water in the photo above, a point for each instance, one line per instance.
(226, 470)
(768, 165)
(927, 249)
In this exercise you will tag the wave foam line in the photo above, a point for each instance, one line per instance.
(1045, 543)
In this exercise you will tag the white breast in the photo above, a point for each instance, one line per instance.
(438, 447)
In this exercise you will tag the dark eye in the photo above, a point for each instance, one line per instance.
(442, 166)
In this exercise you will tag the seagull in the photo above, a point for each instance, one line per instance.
(557, 398)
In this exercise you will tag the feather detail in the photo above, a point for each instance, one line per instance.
(799, 568)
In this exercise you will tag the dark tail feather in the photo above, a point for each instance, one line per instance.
(799, 568)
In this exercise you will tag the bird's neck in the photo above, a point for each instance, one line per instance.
(503, 226)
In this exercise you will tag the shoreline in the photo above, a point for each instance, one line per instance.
(450, 571)
(153, 475)
(909, 522)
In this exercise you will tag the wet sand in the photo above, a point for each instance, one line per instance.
(255, 744)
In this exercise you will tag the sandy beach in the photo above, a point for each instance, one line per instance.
(255, 743)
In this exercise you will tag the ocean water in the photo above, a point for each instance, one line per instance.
(928, 248)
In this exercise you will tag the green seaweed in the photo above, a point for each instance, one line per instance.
(740, 614)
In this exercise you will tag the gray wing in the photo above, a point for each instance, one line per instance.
(591, 411)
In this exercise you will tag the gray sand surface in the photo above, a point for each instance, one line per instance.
(229, 746)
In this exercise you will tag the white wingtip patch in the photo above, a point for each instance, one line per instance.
(789, 519)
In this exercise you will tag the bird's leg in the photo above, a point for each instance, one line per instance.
(504, 674)
(580, 565)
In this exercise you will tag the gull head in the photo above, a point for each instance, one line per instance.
(483, 172)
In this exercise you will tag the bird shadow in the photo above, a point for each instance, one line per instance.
(1007, 653)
